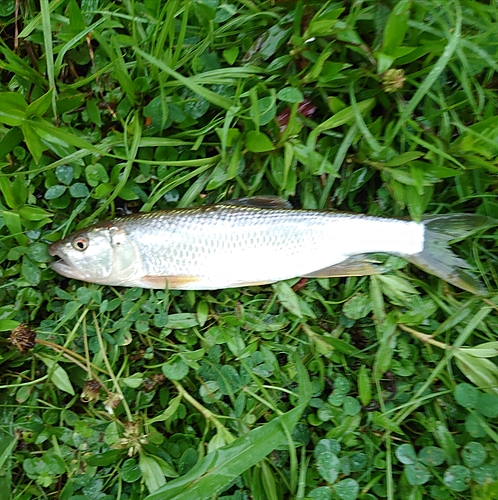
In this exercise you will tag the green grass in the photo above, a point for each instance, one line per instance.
(372, 387)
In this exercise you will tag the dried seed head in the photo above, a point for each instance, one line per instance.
(112, 402)
(132, 439)
(393, 80)
(150, 383)
(91, 391)
(23, 337)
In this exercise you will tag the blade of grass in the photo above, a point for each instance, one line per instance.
(166, 29)
(35, 22)
(20, 67)
(431, 78)
(338, 161)
(465, 42)
(49, 54)
(59, 61)
(360, 122)
(131, 152)
(179, 37)
(461, 339)
(162, 189)
(222, 466)
(7, 450)
(431, 147)
(209, 95)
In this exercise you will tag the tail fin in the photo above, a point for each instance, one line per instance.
(438, 259)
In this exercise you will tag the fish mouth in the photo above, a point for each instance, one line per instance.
(61, 266)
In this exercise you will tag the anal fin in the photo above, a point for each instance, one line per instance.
(358, 265)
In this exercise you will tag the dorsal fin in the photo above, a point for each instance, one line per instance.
(259, 202)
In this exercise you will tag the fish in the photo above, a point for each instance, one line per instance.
(256, 241)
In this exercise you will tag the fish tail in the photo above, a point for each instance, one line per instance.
(437, 257)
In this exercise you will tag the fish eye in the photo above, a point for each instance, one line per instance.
(80, 243)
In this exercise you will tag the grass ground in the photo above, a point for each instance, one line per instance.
(371, 387)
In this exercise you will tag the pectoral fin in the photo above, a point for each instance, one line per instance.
(248, 283)
(359, 265)
(168, 282)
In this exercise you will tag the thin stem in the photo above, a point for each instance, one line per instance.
(71, 356)
(117, 388)
(207, 414)
(424, 337)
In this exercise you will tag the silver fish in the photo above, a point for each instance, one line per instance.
(254, 241)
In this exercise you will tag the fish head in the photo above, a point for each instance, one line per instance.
(100, 254)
